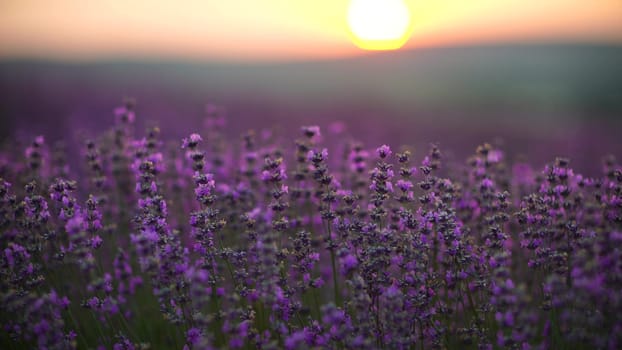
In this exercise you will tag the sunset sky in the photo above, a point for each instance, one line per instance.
(252, 30)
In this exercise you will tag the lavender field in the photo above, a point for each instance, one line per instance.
(302, 238)
(325, 174)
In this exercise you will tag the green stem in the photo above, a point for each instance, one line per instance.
(334, 265)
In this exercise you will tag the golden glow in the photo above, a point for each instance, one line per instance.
(253, 30)
(379, 24)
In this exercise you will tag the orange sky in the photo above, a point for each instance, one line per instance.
(250, 30)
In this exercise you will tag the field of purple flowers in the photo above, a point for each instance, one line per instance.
(301, 242)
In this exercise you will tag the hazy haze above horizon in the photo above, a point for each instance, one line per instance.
(250, 30)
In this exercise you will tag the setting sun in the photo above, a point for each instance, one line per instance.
(379, 24)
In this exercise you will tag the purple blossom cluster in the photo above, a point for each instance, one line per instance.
(266, 242)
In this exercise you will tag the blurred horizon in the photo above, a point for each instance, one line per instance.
(540, 99)
(569, 77)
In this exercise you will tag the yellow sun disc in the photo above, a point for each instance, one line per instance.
(379, 24)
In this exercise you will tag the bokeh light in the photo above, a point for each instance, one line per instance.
(379, 24)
